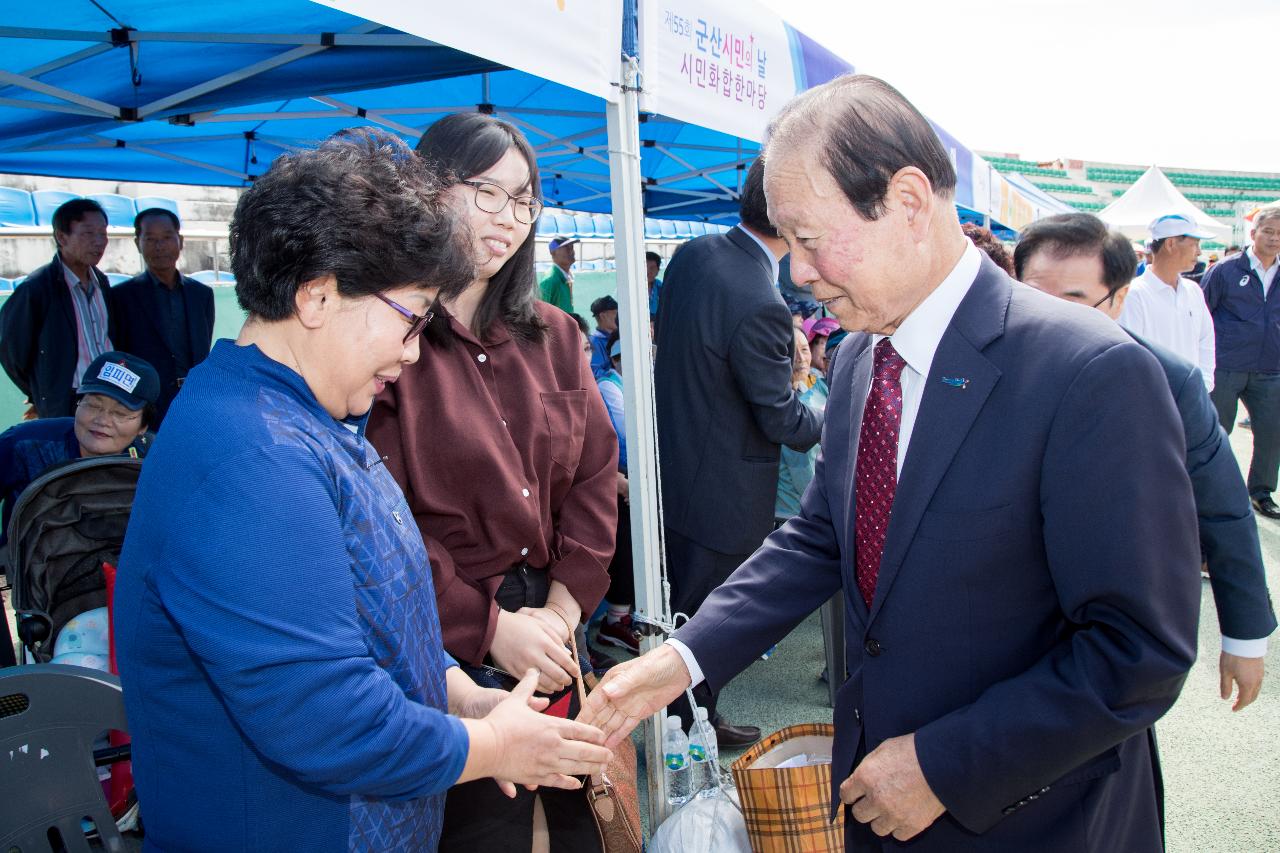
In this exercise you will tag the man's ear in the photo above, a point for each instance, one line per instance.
(316, 301)
(910, 190)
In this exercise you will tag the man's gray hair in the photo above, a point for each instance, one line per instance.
(864, 132)
(1266, 214)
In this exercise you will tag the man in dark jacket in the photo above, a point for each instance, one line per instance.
(725, 406)
(61, 317)
(162, 315)
(1073, 256)
(1245, 308)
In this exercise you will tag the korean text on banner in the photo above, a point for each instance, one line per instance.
(728, 67)
(576, 43)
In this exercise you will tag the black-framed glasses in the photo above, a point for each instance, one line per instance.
(492, 198)
(417, 322)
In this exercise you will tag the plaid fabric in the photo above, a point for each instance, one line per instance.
(787, 810)
(91, 321)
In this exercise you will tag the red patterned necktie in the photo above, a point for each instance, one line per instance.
(877, 466)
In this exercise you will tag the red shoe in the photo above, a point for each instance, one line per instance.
(621, 634)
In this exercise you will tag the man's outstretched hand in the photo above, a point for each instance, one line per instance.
(634, 690)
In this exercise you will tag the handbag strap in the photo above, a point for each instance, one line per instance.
(600, 784)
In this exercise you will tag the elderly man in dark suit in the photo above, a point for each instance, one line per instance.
(161, 314)
(725, 405)
(1020, 578)
(1073, 256)
(61, 317)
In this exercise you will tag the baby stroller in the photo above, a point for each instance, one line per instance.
(65, 526)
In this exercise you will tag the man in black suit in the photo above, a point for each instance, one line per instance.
(162, 315)
(1073, 256)
(61, 317)
(725, 405)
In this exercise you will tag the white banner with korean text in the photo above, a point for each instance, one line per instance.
(577, 43)
(725, 66)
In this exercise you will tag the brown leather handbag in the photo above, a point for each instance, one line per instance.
(613, 798)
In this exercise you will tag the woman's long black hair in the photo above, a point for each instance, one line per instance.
(461, 146)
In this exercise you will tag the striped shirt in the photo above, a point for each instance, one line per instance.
(91, 321)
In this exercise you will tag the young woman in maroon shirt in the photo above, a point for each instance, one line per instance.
(507, 457)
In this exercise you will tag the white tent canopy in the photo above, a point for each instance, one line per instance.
(1152, 196)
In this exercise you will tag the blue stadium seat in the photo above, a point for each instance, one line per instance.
(652, 230)
(211, 277)
(564, 224)
(584, 225)
(604, 225)
(120, 209)
(698, 228)
(147, 202)
(542, 268)
(16, 208)
(47, 201)
(668, 228)
(547, 224)
(6, 285)
(611, 264)
(117, 278)
(683, 229)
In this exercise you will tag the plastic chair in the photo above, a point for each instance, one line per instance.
(683, 229)
(211, 277)
(584, 226)
(117, 278)
(604, 225)
(652, 230)
(119, 208)
(16, 208)
(547, 224)
(50, 715)
(147, 202)
(668, 229)
(47, 201)
(6, 285)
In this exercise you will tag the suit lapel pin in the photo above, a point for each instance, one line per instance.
(956, 382)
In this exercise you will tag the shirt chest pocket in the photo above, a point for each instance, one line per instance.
(566, 416)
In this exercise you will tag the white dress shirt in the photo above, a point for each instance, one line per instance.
(1176, 318)
(916, 340)
(1267, 275)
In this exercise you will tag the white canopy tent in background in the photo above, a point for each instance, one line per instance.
(1151, 196)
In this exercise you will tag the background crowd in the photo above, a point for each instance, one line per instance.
(405, 394)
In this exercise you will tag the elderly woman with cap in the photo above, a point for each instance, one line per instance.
(817, 331)
(276, 622)
(115, 408)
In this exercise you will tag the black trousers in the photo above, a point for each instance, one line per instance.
(477, 815)
(622, 577)
(695, 572)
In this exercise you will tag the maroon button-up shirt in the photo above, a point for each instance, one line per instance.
(505, 453)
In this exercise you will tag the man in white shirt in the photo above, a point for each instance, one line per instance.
(1009, 639)
(1165, 307)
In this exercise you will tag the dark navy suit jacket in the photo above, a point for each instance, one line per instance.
(722, 382)
(39, 344)
(1228, 530)
(140, 329)
(1038, 596)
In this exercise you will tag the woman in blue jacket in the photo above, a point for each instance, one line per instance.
(276, 625)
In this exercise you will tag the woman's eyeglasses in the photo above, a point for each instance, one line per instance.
(417, 322)
(94, 409)
(492, 198)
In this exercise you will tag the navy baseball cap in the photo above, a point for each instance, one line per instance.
(560, 242)
(125, 378)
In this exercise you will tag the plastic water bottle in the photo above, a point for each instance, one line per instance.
(705, 754)
(676, 752)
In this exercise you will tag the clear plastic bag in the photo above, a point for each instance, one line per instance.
(711, 824)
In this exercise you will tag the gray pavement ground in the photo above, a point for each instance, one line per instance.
(1222, 769)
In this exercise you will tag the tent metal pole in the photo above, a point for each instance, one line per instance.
(633, 323)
